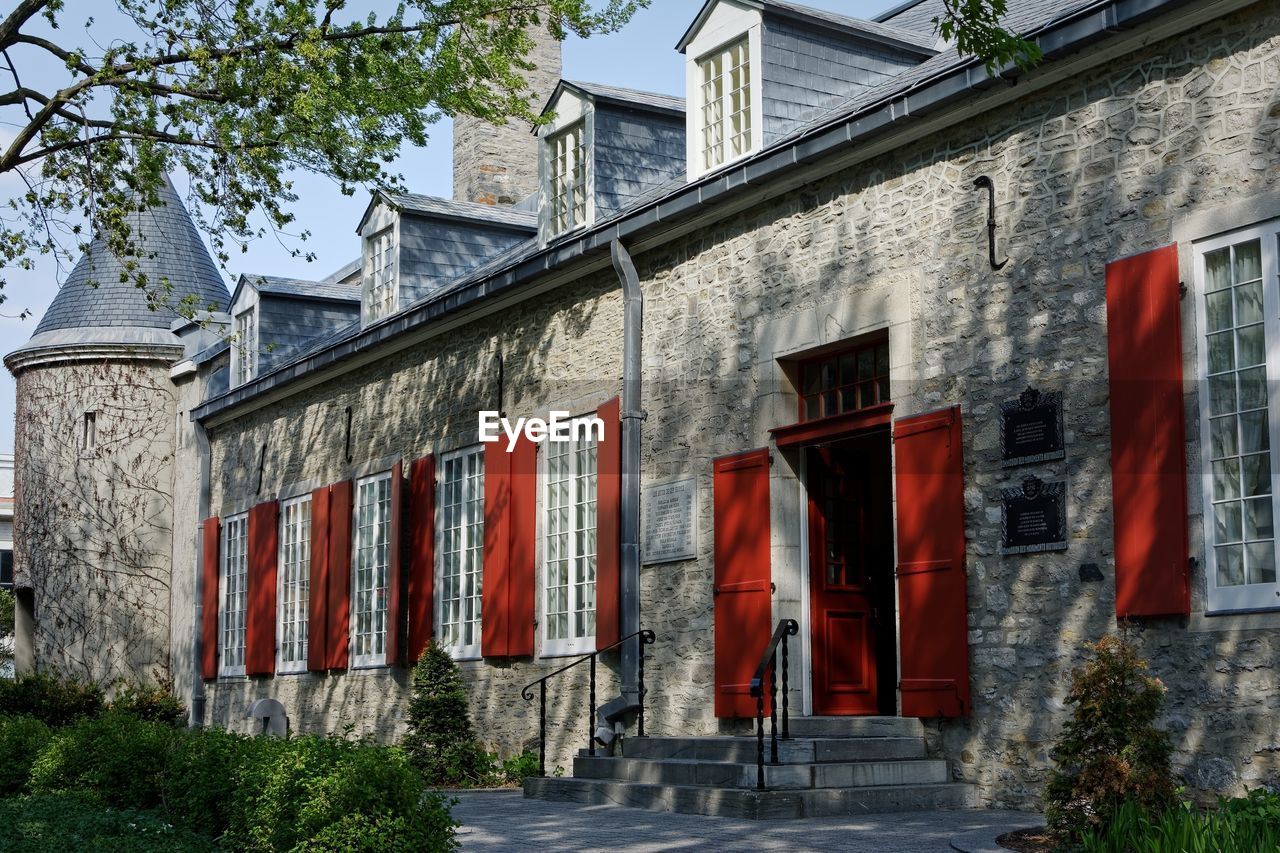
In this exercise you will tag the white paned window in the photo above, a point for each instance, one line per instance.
(232, 580)
(295, 583)
(380, 278)
(370, 570)
(1239, 317)
(246, 346)
(460, 514)
(569, 546)
(568, 179)
(726, 104)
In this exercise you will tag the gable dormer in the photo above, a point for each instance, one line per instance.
(603, 148)
(756, 70)
(415, 245)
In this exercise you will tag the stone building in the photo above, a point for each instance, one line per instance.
(958, 370)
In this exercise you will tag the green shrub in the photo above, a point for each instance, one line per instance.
(517, 768)
(147, 702)
(200, 773)
(117, 758)
(58, 823)
(1110, 751)
(21, 741)
(293, 793)
(53, 701)
(430, 830)
(1241, 825)
(440, 741)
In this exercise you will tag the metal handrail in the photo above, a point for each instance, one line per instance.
(769, 663)
(645, 638)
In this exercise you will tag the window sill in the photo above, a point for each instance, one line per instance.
(1259, 619)
(562, 652)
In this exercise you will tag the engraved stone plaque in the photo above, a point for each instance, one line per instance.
(670, 529)
(1031, 428)
(1033, 517)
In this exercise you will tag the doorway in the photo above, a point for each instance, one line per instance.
(851, 576)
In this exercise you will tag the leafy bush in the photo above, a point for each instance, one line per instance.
(431, 832)
(292, 794)
(517, 768)
(116, 757)
(200, 773)
(441, 741)
(1110, 751)
(152, 703)
(21, 741)
(1241, 825)
(57, 823)
(53, 701)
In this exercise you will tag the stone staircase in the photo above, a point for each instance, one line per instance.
(831, 766)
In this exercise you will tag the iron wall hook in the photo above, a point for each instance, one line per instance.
(978, 183)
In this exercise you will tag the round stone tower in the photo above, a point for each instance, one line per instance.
(94, 453)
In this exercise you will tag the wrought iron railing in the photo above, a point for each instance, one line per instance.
(643, 637)
(769, 666)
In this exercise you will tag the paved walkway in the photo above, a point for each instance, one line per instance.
(505, 820)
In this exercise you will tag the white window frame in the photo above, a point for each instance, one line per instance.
(245, 350)
(230, 621)
(293, 576)
(470, 535)
(380, 533)
(382, 274)
(566, 211)
(1255, 596)
(582, 543)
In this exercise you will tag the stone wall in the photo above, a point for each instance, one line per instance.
(94, 525)
(499, 165)
(1100, 166)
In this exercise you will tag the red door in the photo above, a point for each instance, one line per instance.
(743, 600)
(850, 564)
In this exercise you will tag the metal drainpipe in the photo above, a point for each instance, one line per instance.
(632, 415)
(202, 512)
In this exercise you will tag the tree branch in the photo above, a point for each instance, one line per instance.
(9, 26)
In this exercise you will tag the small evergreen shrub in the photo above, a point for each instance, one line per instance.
(21, 741)
(116, 757)
(1110, 751)
(53, 701)
(441, 742)
(148, 702)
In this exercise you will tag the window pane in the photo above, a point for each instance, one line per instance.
(1252, 345)
(1249, 303)
(1230, 560)
(1227, 526)
(1255, 435)
(1222, 394)
(1261, 562)
(1257, 519)
(1256, 474)
(1218, 311)
(1223, 437)
(1253, 388)
(1248, 261)
(1222, 353)
(1217, 269)
(1226, 479)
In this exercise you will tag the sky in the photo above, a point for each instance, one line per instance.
(640, 56)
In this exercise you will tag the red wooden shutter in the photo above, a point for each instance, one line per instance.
(609, 526)
(932, 585)
(1148, 444)
(395, 615)
(317, 610)
(210, 540)
(523, 550)
(339, 605)
(494, 587)
(260, 622)
(422, 563)
(743, 599)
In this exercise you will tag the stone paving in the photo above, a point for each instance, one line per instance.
(505, 820)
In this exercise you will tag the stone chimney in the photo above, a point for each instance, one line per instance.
(499, 165)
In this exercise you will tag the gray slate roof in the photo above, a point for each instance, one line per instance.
(486, 213)
(303, 289)
(169, 248)
(877, 30)
(626, 97)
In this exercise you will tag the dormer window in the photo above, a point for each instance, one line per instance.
(726, 103)
(568, 190)
(380, 276)
(244, 355)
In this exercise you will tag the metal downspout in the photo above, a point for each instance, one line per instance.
(197, 649)
(632, 416)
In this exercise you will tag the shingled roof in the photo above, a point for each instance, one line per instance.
(169, 250)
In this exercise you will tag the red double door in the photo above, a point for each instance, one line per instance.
(858, 654)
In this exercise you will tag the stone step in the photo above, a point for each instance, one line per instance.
(796, 751)
(754, 805)
(852, 727)
(742, 775)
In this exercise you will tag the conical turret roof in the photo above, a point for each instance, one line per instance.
(99, 293)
